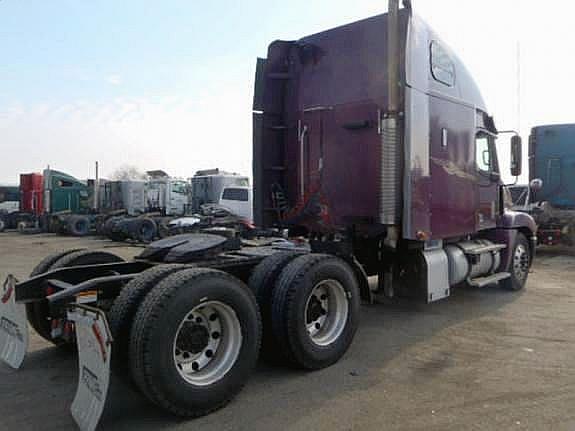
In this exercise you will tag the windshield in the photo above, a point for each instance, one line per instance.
(179, 187)
(235, 194)
(519, 195)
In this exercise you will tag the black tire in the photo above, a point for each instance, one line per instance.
(289, 303)
(106, 228)
(123, 310)
(144, 230)
(262, 283)
(35, 314)
(113, 229)
(519, 264)
(39, 312)
(155, 327)
(46, 263)
(78, 225)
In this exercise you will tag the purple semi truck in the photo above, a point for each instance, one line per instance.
(374, 155)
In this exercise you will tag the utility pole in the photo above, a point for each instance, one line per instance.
(96, 189)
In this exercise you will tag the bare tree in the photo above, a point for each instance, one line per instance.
(128, 172)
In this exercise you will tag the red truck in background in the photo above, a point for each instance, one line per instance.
(32, 194)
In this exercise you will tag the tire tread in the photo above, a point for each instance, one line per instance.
(149, 311)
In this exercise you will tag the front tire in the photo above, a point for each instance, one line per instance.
(315, 310)
(194, 341)
(78, 225)
(519, 265)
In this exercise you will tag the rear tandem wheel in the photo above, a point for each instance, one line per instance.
(315, 310)
(194, 341)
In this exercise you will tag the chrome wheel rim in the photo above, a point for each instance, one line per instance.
(326, 312)
(521, 262)
(207, 343)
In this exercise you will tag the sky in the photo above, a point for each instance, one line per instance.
(169, 84)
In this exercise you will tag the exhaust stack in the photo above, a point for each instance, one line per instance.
(390, 162)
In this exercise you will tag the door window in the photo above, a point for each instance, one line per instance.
(485, 153)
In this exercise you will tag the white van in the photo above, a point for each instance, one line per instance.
(238, 200)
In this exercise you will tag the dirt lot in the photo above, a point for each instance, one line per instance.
(483, 359)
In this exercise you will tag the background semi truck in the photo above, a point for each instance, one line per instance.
(9, 206)
(30, 198)
(552, 159)
(208, 186)
(374, 149)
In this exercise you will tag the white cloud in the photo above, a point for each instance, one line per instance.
(174, 134)
(114, 80)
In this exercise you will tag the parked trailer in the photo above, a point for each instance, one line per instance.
(552, 160)
(374, 178)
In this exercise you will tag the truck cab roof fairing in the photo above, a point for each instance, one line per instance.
(419, 68)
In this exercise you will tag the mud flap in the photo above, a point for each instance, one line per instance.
(94, 349)
(13, 325)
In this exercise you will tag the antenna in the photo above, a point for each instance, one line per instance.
(518, 85)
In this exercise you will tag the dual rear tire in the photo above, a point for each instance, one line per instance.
(310, 307)
(190, 337)
(193, 335)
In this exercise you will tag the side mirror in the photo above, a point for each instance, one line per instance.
(516, 155)
(494, 176)
(536, 184)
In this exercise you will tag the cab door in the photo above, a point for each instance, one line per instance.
(488, 180)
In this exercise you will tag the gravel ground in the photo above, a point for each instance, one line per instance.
(480, 360)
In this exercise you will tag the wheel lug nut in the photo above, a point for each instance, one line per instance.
(209, 353)
(213, 317)
(195, 366)
(198, 320)
(317, 326)
(215, 335)
(186, 355)
(323, 297)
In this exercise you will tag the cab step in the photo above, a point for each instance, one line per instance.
(485, 249)
(490, 279)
